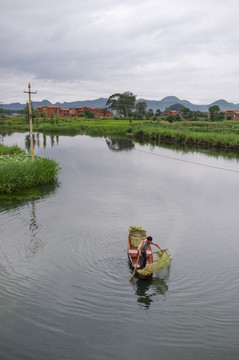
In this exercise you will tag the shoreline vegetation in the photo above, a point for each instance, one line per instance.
(18, 172)
(222, 134)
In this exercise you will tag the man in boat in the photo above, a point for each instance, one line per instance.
(142, 250)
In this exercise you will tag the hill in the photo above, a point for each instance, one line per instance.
(151, 104)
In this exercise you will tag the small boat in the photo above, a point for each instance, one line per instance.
(133, 256)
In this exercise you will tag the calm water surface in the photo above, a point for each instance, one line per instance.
(64, 272)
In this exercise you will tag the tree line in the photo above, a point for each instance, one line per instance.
(124, 104)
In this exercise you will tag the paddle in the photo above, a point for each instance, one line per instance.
(134, 268)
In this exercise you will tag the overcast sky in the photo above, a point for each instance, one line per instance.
(86, 49)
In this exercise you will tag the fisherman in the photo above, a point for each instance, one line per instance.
(142, 250)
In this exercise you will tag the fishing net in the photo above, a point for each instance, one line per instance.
(136, 235)
(163, 260)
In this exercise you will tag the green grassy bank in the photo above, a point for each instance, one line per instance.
(204, 136)
(17, 171)
(221, 134)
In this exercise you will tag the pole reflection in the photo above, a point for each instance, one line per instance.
(35, 241)
(54, 140)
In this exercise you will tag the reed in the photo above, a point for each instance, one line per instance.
(223, 137)
(17, 171)
(19, 175)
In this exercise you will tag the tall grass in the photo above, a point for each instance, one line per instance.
(218, 139)
(19, 175)
(10, 149)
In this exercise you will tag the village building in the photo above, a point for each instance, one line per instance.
(49, 110)
(231, 114)
(170, 112)
(55, 110)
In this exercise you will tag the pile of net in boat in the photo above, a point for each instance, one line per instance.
(163, 260)
(136, 235)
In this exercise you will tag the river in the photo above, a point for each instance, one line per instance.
(64, 272)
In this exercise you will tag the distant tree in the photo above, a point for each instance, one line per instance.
(171, 118)
(187, 113)
(137, 116)
(141, 107)
(52, 118)
(221, 116)
(89, 114)
(158, 113)
(43, 114)
(122, 103)
(214, 112)
(150, 114)
(37, 117)
(104, 111)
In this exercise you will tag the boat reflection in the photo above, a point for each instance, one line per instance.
(148, 290)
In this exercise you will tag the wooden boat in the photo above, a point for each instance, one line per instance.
(133, 256)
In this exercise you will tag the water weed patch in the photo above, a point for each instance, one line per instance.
(17, 171)
(22, 157)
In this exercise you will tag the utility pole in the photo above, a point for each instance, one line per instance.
(30, 118)
(1, 111)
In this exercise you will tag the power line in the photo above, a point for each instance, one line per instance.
(183, 160)
(187, 161)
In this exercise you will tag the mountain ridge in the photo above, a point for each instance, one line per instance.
(151, 104)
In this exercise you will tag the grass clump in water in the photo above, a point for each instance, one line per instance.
(17, 172)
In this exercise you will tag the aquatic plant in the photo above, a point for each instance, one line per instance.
(17, 171)
(21, 157)
(16, 175)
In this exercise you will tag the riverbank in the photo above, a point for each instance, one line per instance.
(17, 171)
(222, 134)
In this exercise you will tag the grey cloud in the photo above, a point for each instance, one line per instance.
(117, 43)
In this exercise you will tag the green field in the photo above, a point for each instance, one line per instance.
(221, 134)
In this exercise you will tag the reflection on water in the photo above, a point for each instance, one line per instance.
(2, 137)
(120, 144)
(147, 289)
(35, 242)
(37, 142)
(193, 149)
(12, 201)
(28, 142)
(127, 143)
(64, 286)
